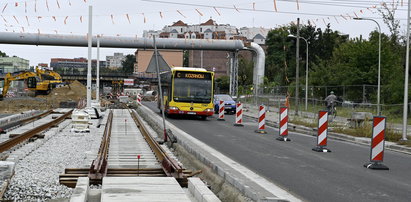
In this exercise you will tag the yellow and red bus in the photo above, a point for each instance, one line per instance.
(188, 90)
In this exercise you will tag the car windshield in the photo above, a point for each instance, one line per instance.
(224, 97)
(192, 90)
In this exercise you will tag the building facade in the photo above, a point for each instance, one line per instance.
(73, 66)
(115, 61)
(174, 58)
(13, 64)
(217, 61)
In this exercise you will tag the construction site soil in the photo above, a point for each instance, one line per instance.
(72, 92)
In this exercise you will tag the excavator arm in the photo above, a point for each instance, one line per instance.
(14, 77)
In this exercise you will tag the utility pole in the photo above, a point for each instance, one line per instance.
(407, 63)
(98, 70)
(89, 37)
(297, 61)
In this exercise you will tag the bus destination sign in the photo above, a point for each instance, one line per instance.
(193, 75)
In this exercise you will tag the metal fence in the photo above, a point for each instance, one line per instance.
(353, 98)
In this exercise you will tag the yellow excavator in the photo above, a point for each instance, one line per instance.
(41, 81)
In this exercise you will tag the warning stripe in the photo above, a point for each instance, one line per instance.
(283, 121)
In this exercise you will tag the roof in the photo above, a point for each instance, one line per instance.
(179, 23)
(209, 22)
(259, 36)
(189, 69)
(174, 31)
(208, 30)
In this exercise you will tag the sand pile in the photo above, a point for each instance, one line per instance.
(73, 92)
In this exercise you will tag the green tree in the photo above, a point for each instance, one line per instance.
(128, 63)
(222, 84)
(3, 54)
(185, 58)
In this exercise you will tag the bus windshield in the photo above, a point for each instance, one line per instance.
(192, 90)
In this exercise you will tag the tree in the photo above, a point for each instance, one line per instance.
(388, 15)
(185, 58)
(128, 63)
(223, 84)
(3, 54)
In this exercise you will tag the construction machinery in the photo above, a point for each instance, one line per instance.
(41, 81)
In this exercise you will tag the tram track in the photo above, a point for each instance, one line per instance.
(16, 140)
(157, 162)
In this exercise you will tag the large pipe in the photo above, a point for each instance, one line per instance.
(134, 42)
(259, 66)
(119, 42)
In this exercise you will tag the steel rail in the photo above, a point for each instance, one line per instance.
(98, 168)
(169, 165)
(4, 146)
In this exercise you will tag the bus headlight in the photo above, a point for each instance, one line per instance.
(209, 110)
(173, 108)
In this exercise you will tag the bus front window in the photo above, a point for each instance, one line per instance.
(192, 90)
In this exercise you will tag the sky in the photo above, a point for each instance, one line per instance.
(131, 17)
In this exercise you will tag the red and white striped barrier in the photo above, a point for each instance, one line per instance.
(283, 130)
(261, 120)
(239, 115)
(156, 98)
(377, 144)
(139, 99)
(322, 132)
(221, 111)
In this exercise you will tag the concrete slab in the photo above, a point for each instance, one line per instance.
(80, 193)
(200, 191)
(142, 189)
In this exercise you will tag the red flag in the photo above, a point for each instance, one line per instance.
(181, 13)
(128, 18)
(5, 6)
(27, 19)
(161, 14)
(16, 19)
(216, 10)
(47, 5)
(25, 7)
(16, 4)
(4, 19)
(112, 18)
(236, 8)
(275, 5)
(54, 18)
(65, 20)
(58, 4)
(199, 12)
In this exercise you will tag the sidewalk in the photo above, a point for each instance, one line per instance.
(272, 119)
(309, 117)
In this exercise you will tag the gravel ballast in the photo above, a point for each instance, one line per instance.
(37, 174)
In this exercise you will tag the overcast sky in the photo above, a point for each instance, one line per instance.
(131, 17)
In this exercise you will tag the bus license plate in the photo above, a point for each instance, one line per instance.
(193, 113)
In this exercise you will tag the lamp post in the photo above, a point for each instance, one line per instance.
(379, 62)
(306, 70)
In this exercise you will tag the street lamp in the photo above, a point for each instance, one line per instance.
(306, 70)
(379, 62)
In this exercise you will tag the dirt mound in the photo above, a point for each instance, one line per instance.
(72, 92)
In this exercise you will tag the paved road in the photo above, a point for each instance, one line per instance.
(312, 176)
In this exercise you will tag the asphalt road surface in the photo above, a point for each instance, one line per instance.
(311, 176)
